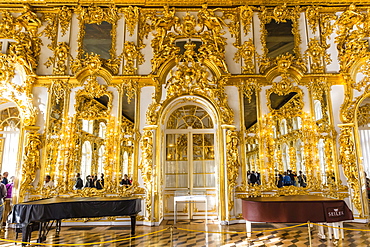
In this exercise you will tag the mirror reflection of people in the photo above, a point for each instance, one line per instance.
(3, 194)
(125, 181)
(302, 180)
(99, 183)
(48, 182)
(79, 183)
(89, 182)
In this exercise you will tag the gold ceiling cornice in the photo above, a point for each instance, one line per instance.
(179, 3)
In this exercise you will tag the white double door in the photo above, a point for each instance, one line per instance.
(190, 169)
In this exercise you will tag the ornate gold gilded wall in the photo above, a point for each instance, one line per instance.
(95, 86)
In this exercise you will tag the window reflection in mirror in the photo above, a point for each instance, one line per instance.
(127, 140)
(97, 39)
(279, 39)
(251, 139)
(86, 156)
(363, 122)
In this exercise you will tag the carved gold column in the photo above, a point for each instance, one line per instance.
(146, 167)
(350, 166)
(233, 163)
(30, 162)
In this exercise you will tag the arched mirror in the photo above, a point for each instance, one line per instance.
(92, 113)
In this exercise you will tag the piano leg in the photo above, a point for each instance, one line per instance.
(249, 228)
(133, 224)
(57, 227)
(26, 234)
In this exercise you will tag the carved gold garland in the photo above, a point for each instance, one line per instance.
(233, 163)
(348, 161)
(146, 167)
(363, 115)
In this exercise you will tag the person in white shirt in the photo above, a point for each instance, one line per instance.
(48, 182)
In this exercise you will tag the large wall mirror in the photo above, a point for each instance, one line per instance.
(98, 39)
(290, 143)
(128, 141)
(279, 39)
(251, 133)
(93, 109)
(363, 121)
(97, 36)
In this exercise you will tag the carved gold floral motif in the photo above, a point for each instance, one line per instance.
(131, 17)
(247, 52)
(131, 53)
(348, 161)
(233, 163)
(146, 167)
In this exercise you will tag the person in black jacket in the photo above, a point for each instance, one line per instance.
(79, 183)
(125, 181)
(89, 182)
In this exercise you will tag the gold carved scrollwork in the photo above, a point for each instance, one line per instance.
(6, 69)
(131, 53)
(317, 52)
(284, 85)
(352, 31)
(51, 29)
(25, 52)
(60, 58)
(313, 17)
(233, 163)
(31, 162)
(19, 94)
(363, 115)
(9, 26)
(91, 61)
(131, 88)
(146, 167)
(246, 15)
(364, 83)
(348, 161)
(152, 112)
(247, 52)
(131, 17)
(249, 87)
(193, 77)
(65, 17)
(111, 147)
(89, 108)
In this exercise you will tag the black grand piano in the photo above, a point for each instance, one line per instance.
(41, 214)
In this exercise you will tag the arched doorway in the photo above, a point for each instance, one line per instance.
(189, 160)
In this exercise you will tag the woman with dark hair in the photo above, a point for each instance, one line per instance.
(125, 181)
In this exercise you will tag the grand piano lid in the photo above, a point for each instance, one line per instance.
(77, 199)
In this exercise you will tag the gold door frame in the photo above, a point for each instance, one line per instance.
(190, 168)
(219, 152)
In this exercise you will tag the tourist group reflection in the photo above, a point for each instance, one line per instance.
(290, 178)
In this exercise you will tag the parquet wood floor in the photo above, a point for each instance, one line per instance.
(81, 235)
